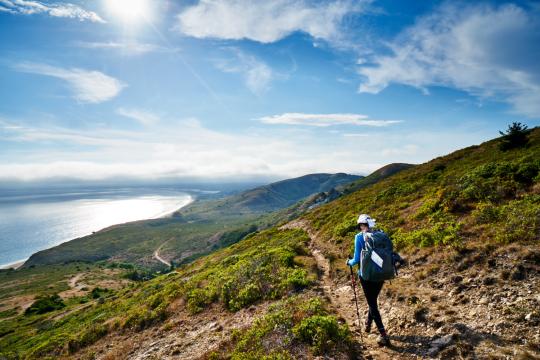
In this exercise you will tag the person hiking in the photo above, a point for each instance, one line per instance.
(371, 289)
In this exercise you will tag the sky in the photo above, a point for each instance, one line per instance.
(233, 90)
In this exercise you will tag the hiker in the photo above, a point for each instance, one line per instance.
(371, 289)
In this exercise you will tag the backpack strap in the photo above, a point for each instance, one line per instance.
(367, 237)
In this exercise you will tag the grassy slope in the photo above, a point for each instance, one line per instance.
(270, 265)
(193, 231)
(478, 193)
(324, 197)
(475, 193)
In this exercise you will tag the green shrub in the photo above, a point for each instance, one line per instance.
(520, 220)
(289, 323)
(142, 318)
(247, 296)
(438, 234)
(393, 191)
(486, 213)
(297, 279)
(197, 300)
(45, 304)
(98, 292)
(314, 306)
(321, 332)
(267, 271)
(345, 228)
(491, 182)
(428, 206)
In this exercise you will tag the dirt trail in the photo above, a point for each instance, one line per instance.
(159, 258)
(341, 297)
(431, 312)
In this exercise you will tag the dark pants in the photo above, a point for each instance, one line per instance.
(371, 291)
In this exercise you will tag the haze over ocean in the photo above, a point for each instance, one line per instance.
(34, 221)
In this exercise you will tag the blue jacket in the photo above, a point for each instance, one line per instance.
(358, 246)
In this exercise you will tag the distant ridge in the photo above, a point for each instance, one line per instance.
(324, 197)
(193, 230)
(287, 192)
(266, 198)
(377, 175)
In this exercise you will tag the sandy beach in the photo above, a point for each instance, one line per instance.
(14, 265)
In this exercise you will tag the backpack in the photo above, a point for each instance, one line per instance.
(377, 261)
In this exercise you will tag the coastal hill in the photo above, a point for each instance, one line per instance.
(466, 223)
(284, 193)
(192, 231)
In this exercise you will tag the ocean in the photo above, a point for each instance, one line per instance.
(39, 219)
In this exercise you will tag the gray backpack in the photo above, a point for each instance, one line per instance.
(377, 257)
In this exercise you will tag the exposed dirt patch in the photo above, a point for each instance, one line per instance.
(183, 336)
(82, 283)
(21, 303)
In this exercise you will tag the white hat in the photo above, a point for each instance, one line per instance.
(366, 219)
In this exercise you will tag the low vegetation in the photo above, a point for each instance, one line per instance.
(481, 194)
(45, 304)
(296, 325)
(478, 193)
(264, 266)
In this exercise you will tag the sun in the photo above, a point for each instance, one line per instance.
(129, 11)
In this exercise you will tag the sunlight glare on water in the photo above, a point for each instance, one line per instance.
(30, 226)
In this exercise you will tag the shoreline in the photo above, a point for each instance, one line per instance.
(14, 265)
(17, 264)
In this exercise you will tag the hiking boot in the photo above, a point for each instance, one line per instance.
(367, 327)
(383, 340)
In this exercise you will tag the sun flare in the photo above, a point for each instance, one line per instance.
(128, 10)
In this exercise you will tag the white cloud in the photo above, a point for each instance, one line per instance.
(142, 116)
(355, 135)
(489, 51)
(128, 48)
(265, 21)
(66, 10)
(257, 74)
(88, 86)
(323, 120)
(187, 149)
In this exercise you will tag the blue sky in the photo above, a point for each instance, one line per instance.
(236, 89)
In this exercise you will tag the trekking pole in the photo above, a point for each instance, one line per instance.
(353, 283)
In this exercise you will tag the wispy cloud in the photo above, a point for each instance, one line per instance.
(257, 74)
(66, 10)
(489, 51)
(324, 120)
(144, 117)
(128, 48)
(355, 135)
(186, 149)
(88, 86)
(265, 21)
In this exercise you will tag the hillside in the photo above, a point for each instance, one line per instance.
(199, 228)
(468, 224)
(281, 194)
(379, 174)
(324, 197)
(266, 198)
